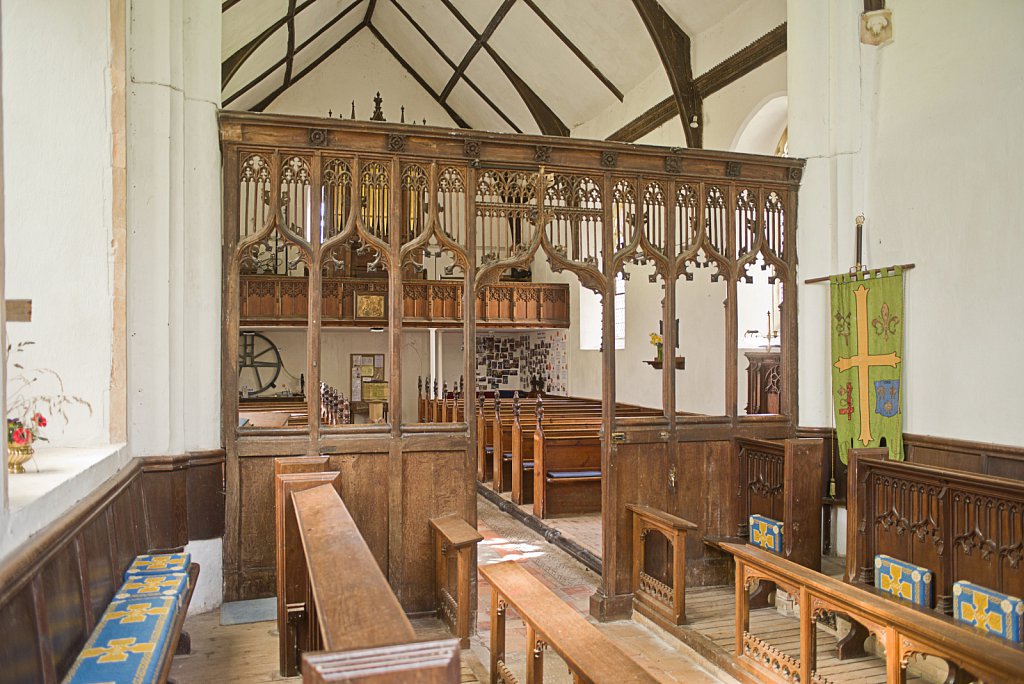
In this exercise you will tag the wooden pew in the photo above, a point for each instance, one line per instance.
(905, 630)
(659, 573)
(782, 480)
(551, 623)
(353, 617)
(566, 473)
(960, 525)
(454, 538)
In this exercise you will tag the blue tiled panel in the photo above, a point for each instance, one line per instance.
(159, 564)
(766, 533)
(988, 610)
(904, 580)
(128, 643)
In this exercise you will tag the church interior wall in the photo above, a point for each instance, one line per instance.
(357, 72)
(58, 234)
(936, 181)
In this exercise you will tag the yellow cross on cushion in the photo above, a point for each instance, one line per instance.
(135, 612)
(117, 650)
(976, 612)
(893, 582)
(150, 585)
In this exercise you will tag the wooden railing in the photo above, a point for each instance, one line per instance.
(902, 630)
(454, 538)
(551, 623)
(960, 525)
(664, 598)
(349, 612)
(284, 300)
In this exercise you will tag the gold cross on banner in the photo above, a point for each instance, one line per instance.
(863, 362)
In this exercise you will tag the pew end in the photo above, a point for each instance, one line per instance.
(659, 584)
(454, 537)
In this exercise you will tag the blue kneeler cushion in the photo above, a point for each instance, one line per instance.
(128, 643)
(133, 636)
(904, 580)
(988, 610)
(159, 564)
(766, 533)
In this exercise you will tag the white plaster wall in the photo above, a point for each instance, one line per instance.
(58, 199)
(209, 554)
(356, 72)
(924, 151)
(173, 226)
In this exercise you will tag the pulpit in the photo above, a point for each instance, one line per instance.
(763, 379)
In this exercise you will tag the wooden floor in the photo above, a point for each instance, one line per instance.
(248, 653)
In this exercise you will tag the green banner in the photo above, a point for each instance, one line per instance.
(867, 360)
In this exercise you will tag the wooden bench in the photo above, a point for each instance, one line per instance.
(55, 588)
(659, 573)
(454, 538)
(566, 474)
(352, 616)
(903, 629)
(551, 623)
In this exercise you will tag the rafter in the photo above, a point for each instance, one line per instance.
(274, 67)
(419, 79)
(290, 54)
(481, 40)
(547, 121)
(761, 51)
(453, 66)
(575, 50)
(234, 62)
(265, 102)
(673, 47)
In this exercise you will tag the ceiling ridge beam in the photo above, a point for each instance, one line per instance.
(734, 67)
(575, 50)
(547, 121)
(450, 63)
(265, 102)
(481, 39)
(459, 121)
(234, 62)
(323, 29)
(673, 45)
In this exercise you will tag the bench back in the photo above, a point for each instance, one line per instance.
(353, 610)
(960, 525)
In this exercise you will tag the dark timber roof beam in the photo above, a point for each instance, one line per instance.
(547, 121)
(673, 47)
(761, 51)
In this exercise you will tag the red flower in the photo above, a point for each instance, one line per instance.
(21, 436)
(39, 419)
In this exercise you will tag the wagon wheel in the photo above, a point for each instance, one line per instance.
(259, 361)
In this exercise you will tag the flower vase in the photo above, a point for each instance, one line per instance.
(659, 352)
(17, 456)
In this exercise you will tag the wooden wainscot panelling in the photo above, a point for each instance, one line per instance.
(365, 491)
(206, 494)
(256, 528)
(432, 497)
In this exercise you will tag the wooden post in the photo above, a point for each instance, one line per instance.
(808, 633)
(679, 576)
(742, 609)
(534, 657)
(497, 633)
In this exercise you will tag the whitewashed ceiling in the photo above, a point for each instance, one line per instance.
(496, 64)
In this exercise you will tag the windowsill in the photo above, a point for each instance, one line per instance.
(54, 481)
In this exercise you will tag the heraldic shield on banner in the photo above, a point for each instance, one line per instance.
(867, 360)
